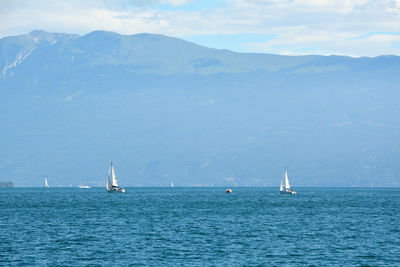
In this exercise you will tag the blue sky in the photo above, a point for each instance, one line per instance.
(290, 27)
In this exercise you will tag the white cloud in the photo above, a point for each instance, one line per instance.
(70, 97)
(300, 26)
(175, 2)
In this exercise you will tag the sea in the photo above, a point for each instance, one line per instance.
(199, 227)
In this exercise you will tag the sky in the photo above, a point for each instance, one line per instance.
(287, 27)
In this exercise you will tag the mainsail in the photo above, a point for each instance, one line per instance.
(114, 181)
(45, 182)
(287, 184)
(109, 185)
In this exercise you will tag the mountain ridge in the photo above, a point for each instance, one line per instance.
(113, 48)
(154, 53)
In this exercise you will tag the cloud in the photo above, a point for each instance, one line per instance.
(298, 26)
(328, 43)
(70, 97)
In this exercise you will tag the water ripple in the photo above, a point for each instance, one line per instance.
(199, 227)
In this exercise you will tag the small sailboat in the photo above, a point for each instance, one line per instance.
(285, 185)
(172, 184)
(45, 182)
(112, 182)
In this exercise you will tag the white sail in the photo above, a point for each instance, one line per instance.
(287, 184)
(45, 182)
(108, 186)
(281, 188)
(114, 180)
(172, 184)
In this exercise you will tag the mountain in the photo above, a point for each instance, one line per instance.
(165, 109)
(140, 53)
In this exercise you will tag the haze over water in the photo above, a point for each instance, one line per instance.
(199, 226)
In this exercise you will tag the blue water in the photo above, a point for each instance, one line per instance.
(199, 227)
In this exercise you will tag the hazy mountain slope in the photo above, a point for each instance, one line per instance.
(164, 109)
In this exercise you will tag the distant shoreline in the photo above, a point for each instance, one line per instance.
(215, 187)
(6, 184)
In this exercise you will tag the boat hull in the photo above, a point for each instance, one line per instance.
(116, 190)
(288, 192)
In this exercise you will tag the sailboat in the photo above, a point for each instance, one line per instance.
(285, 185)
(172, 184)
(112, 182)
(45, 182)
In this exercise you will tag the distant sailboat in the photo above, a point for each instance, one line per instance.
(172, 184)
(285, 185)
(45, 182)
(112, 182)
